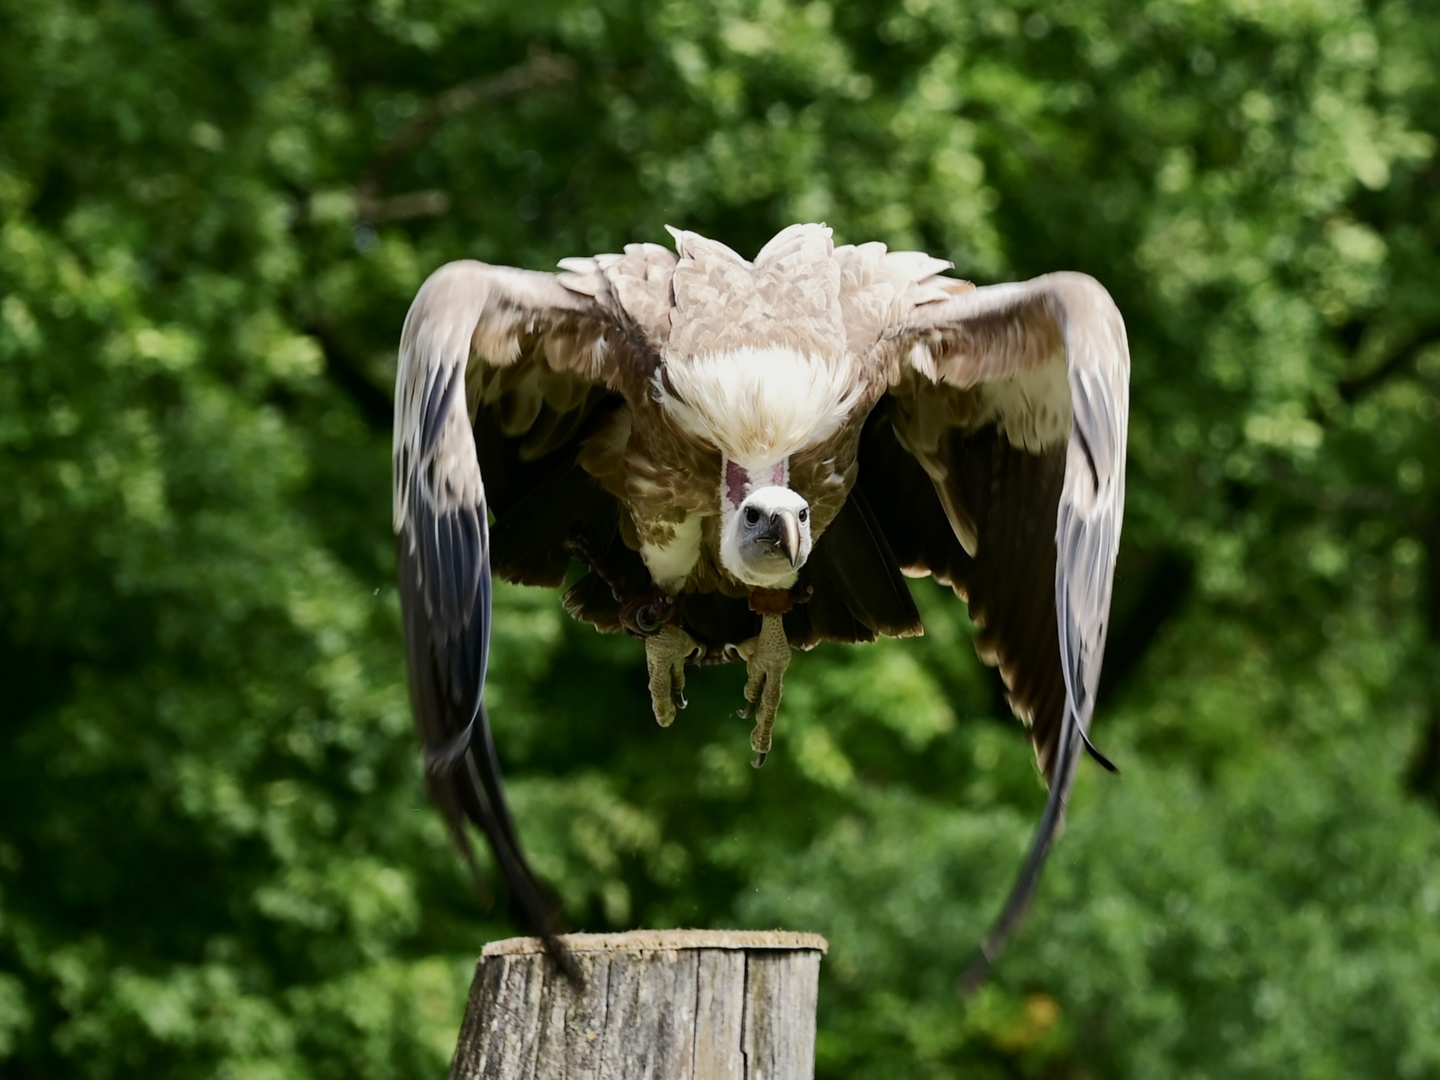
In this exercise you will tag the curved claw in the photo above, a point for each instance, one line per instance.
(766, 658)
(666, 651)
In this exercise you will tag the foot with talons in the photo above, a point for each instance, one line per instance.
(666, 651)
(766, 658)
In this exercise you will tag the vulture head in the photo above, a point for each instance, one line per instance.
(767, 539)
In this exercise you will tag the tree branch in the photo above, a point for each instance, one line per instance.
(429, 203)
(1352, 389)
(347, 373)
(539, 69)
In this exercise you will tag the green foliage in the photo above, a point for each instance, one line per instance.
(216, 857)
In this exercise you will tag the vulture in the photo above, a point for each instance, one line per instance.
(749, 458)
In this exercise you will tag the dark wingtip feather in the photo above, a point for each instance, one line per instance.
(976, 972)
(1099, 758)
(488, 809)
(440, 759)
(462, 767)
(1022, 893)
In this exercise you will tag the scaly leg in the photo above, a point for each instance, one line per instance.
(766, 658)
(666, 651)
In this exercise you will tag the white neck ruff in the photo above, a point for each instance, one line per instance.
(756, 405)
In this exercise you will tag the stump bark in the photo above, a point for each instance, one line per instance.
(667, 1005)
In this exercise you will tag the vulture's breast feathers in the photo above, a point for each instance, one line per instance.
(758, 405)
(757, 363)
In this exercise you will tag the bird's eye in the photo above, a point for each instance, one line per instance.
(751, 515)
(804, 516)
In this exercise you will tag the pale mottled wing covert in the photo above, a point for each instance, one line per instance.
(1038, 369)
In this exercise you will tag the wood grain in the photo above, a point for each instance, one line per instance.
(652, 1005)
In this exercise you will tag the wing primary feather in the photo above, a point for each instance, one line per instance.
(439, 398)
(439, 759)
(1089, 456)
(483, 770)
(462, 767)
(1022, 893)
(1095, 754)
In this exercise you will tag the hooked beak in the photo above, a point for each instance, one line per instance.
(786, 531)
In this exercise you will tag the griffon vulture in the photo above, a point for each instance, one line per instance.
(751, 457)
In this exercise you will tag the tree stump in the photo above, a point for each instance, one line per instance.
(666, 1004)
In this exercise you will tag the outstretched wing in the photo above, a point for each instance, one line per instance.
(1013, 401)
(544, 331)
